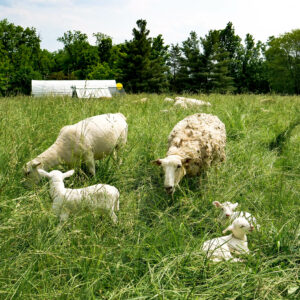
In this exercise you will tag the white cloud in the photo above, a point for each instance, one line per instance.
(174, 19)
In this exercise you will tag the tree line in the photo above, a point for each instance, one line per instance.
(218, 62)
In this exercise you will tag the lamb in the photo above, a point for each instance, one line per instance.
(221, 248)
(228, 213)
(86, 141)
(67, 200)
(195, 144)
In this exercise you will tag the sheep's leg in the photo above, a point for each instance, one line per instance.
(64, 216)
(90, 163)
(113, 217)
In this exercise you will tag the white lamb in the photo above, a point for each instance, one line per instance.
(221, 248)
(67, 200)
(86, 141)
(228, 213)
(195, 143)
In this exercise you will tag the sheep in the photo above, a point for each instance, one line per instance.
(221, 248)
(228, 213)
(67, 200)
(167, 99)
(195, 143)
(190, 101)
(86, 141)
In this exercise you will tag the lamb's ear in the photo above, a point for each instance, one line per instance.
(68, 174)
(35, 164)
(156, 162)
(217, 204)
(235, 205)
(229, 228)
(43, 173)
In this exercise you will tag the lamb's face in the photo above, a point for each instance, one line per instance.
(227, 208)
(174, 171)
(31, 173)
(242, 225)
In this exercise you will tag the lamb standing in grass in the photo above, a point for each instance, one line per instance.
(195, 143)
(221, 248)
(67, 200)
(86, 141)
(228, 212)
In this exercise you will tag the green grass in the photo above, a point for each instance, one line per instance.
(155, 250)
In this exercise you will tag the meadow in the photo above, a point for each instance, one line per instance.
(154, 252)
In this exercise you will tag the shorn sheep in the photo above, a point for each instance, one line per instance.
(195, 143)
(67, 200)
(221, 248)
(228, 213)
(86, 141)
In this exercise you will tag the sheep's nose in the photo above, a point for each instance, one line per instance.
(251, 227)
(169, 189)
(227, 215)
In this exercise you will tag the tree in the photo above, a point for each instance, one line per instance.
(283, 62)
(80, 56)
(19, 58)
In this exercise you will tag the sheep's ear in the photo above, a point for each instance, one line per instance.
(229, 228)
(156, 162)
(43, 173)
(186, 160)
(217, 204)
(68, 174)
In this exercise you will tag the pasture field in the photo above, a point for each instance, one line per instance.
(154, 252)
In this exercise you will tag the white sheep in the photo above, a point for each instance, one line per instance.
(195, 143)
(221, 248)
(190, 102)
(67, 200)
(228, 212)
(167, 99)
(84, 142)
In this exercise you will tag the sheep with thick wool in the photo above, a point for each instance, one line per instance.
(195, 143)
(228, 213)
(66, 200)
(86, 141)
(221, 248)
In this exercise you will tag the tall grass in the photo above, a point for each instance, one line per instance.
(155, 250)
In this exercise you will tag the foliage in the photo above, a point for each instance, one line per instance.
(283, 61)
(218, 62)
(155, 249)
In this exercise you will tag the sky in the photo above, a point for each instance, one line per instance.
(174, 19)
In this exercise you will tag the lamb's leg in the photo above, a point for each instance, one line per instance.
(64, 216)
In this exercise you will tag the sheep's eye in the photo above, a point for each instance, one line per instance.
(178, 166)
(242, 226)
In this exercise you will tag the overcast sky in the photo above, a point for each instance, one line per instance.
(174, 19)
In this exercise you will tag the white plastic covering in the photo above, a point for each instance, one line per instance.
(83, 88)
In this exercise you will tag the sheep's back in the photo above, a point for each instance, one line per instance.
(202, 138)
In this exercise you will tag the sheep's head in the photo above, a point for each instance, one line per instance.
(227, 208)
(173, 166)
(239, 227)
(55, 175)
(30, 171)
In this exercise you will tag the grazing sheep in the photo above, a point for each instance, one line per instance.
(86, 141)
(228, 212)
(195, 143)
(221, 248)
(67, 200)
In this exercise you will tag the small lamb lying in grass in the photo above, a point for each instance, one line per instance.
(228, 213)
(66, 200)
(221, 248)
